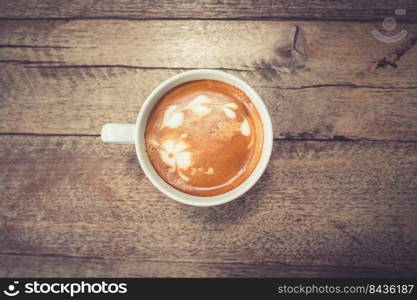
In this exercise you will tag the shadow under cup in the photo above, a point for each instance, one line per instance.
(152, 102)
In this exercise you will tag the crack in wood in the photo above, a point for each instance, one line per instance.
(50, 255)
(34, 46)
(337, 85)
(213, 19)
(59, 65)
(393, 58)
(306, 137)
(27, 62)
(289, 137)
(50, 134)
(295, 40)
(126, 67)
(253, 69)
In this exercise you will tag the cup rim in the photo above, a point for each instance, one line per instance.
(160, 183)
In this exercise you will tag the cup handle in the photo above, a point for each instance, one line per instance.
(118, 133)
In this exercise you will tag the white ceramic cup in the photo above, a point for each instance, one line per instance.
(135, 134)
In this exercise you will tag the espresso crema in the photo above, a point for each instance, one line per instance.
(204, 137)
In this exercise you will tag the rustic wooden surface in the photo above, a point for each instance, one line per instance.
(314, 85)
(208, 9)
(338, 198)
(329, 203)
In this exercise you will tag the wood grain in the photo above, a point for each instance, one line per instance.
(13, 266)
(211, 9)
(63, 77)
(284, 54)
(73, 206)
(324, 204)
(80, 101)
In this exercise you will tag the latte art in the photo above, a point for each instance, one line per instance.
(204, 137)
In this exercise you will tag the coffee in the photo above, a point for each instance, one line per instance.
(204, 137)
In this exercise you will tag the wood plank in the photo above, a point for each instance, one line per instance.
(212, 9)
(342, 204)
(50, 266)
(285, 54)
(64, 77)
(80, 101)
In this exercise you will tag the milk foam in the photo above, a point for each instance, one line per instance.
(203, 137)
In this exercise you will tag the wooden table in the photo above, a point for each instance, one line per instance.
(339, 197)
